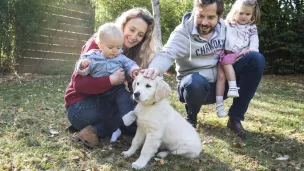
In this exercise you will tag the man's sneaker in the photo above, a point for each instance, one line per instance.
(220, 110)
(88, 137)
(233, 92)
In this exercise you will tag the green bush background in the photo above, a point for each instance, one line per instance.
(280, 31)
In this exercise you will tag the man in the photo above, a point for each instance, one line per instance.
(195, 46)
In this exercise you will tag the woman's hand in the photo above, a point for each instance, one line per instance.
(117, 77)
(150, 73)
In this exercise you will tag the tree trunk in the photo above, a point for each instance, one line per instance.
(156, 15)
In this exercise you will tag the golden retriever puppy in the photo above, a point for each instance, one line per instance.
(159, 125)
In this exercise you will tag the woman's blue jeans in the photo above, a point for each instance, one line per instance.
(103, 111)
(194, 90)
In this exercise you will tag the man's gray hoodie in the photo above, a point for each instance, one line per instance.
(190, 52)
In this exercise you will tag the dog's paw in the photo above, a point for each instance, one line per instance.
(138, 165)
(163, 154)
(126, 154)
(129, 118)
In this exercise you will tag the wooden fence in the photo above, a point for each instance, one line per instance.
(57, 47)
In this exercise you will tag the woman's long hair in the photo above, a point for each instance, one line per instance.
(146, 49)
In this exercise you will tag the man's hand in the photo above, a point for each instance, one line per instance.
(150, 73)
(117, 77)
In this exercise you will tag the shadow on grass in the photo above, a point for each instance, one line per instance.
(263, 148)
(110, 155)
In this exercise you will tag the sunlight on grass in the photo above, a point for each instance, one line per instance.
(30, 106)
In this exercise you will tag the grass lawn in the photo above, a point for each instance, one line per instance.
(33, 120)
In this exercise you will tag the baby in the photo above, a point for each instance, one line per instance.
(107, 60)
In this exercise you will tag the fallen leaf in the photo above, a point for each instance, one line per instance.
(162, 161)
(156, 159)
(12, 134)
(53, 131)
(158, 162)
(74, 158)
(210, 161)
(20, 110)
(298, 167)
(292, 163)
(84, 165)
(283, 158)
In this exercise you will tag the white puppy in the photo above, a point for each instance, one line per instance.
(159, 125)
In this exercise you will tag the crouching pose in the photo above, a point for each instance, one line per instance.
(159, 125)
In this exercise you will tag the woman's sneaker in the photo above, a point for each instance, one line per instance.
(233, 92)
(220, 110)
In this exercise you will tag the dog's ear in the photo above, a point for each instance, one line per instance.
(162, 90)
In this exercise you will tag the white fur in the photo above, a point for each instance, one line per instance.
(159, 125)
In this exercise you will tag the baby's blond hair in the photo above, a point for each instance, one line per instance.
(108, 30)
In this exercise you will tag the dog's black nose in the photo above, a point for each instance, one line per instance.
(136, 94)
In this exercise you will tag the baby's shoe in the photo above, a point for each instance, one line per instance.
(233, 92)
(220, 110)
(115, 135)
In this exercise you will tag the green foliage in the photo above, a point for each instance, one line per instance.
(280, 31)
(172, 13)
(281, 36)
(19, 20)
(5, 38)
(108, 10)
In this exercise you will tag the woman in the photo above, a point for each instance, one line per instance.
(87, 110)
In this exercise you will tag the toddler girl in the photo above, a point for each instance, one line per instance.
(241, 39)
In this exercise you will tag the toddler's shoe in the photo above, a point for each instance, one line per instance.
(220, 110)
(233, 92)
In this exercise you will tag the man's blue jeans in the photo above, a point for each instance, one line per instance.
(103, 111)
(194, 90)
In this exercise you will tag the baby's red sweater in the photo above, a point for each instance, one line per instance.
(81, 87)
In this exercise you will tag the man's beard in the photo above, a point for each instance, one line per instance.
(205, 32)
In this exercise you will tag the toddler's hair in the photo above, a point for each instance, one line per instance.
(249, 3)
(108, 30)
